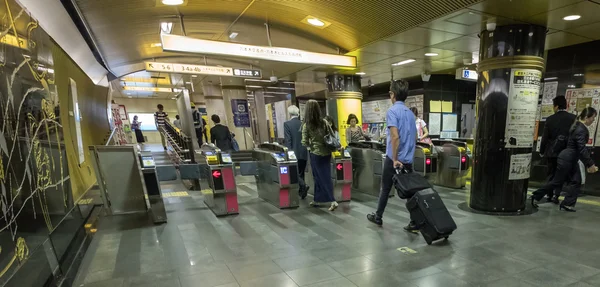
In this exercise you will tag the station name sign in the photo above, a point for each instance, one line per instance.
(176, 43)
(201, 70)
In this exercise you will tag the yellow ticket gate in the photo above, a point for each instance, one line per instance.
(453, 163)
(426, 161)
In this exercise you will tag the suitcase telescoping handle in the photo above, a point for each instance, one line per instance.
(401, 170)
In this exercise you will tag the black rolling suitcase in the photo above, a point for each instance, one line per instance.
(430, 214)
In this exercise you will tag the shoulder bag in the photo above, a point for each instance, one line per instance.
(331, 141)
(408, 183)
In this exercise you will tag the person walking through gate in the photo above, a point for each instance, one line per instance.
(198, 124)
(220, 135)
(567, 169)
(314, 131)
(401, 137)
(293, 141)
(554, 140)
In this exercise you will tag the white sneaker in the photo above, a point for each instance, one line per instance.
(333, 206)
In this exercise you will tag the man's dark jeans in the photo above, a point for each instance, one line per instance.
(387, 183)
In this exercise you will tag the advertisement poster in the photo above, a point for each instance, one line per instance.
(549, 93)
(435, 123)
(547, 110)
(241, 115)
(374, 111)
(520, 166)
(579, 99)
(280, 118)
(449, 122)
(522, 107)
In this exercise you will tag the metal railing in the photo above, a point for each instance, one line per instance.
(181, 144)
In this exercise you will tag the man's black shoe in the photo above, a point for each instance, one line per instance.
(411, 227)
(375, 219)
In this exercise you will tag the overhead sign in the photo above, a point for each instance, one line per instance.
(468, 75)
(201, 70)
(247, 73)
(148, 89)
(176, 43)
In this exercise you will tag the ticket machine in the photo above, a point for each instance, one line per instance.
(276, 175)
(341, 175)
(152, 187)
(217, 180)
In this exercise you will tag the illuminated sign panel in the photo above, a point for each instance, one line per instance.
(468, 75)
(148, 89)
(199, 69)
(175, 43)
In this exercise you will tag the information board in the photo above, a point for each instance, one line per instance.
(522, 107)
(241, 115)
(579, 99)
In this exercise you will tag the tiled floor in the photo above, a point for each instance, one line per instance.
(264, 246)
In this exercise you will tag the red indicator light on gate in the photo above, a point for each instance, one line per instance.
(216, 174)
(463, 159)
(428, 161)
(339, 166)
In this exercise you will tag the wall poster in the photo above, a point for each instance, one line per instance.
(549, 92)
(375, 111)
(241, 114)
(435, 123)
(520, 165)
(579, 99)
(522, 107)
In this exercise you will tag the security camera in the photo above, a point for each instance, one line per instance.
(425, 76)
(491, 26)
(273, 79)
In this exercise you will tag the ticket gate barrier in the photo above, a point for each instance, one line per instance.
(453, 163)
(426, 161)
(217, 180)
(276, 174)
(152, 187)
(367, 166)
(341, 175)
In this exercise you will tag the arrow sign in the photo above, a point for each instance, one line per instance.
(339, 166)
(216, 174)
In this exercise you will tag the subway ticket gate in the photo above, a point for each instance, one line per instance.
(218, 180)
(152, 187)
(341, 173)
(276, 174)
(453, 163)
(426, 161)
(367, 166)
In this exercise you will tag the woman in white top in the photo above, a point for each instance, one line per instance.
(422, 132)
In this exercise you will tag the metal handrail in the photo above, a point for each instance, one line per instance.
(110, 137)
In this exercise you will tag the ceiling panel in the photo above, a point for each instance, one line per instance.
(589, 12)
(420, 54)
(390, 48)
(366, 57)
(422, 37)
(562, 39)
(591, 31)
(375, 68)
(463, 44)
(520, 10)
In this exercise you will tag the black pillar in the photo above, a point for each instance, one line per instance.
(510, 70)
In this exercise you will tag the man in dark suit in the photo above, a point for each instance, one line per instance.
(555, 137)
(293, 141)
(220, 135)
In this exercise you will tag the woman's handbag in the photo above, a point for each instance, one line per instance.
(331, 141)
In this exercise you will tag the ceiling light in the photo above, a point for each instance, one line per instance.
(315, 22)
(189, 83)
(431, 54)
(550, 79)
(403, 62)
(571, 17)
(361, 73)
(154, 45)
(172, 2)
(166, 27)
(571, 86)
(233, 35)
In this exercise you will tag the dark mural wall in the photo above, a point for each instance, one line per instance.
(39, 215)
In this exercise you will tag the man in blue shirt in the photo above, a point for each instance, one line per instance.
(400, 149)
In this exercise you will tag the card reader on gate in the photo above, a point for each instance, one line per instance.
(148, 162)
(226, 158)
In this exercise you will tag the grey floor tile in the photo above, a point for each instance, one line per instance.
(250, 271)
(379, 277)
(594, 280)
(314, 274)
(441, 280)
(117, 282)
(201, 268)
(353, 265)
(581, 284)
(544, 277)
(98, 276)
(229, 285)
(208, 279)
(478, 274)
(335, 254)
(273, 280)
(507, 282)
(297, 262)
(574, 270)
(151, 278)
(338, 282)
(174, 282)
